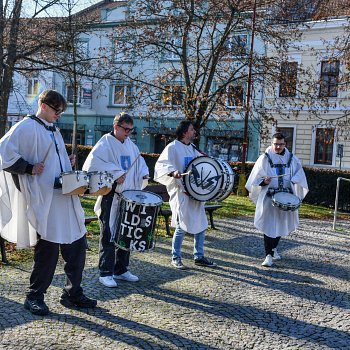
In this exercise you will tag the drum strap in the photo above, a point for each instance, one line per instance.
(52, 129)
(279, 168)
(197, 149)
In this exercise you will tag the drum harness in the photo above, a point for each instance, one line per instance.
(280, 168)
(57, 183)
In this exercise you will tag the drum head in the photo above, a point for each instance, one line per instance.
(142, 197)
(205, 181)
(286, 198)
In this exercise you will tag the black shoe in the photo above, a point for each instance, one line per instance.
(204, 262)
(36, 306)
(80, 301)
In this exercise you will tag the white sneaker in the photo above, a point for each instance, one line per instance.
(268, 261)
(126, 276)
(276, 256)
(108, 281)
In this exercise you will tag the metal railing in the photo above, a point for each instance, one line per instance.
(336, 199)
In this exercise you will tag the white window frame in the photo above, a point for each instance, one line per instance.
(172, 56)
(231, 44)
(67, 94)
(170, 90)
(313, 145)
(121, 56)
(32, 86)
(126, 94)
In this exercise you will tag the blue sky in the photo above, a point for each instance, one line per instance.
(57, 10)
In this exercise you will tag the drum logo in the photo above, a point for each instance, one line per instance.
(135, 227)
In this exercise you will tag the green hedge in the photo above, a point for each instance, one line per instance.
(322, 182)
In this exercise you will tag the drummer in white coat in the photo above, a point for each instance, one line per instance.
(276, 170)
(32, 212)
(188, 215)
(119, 156)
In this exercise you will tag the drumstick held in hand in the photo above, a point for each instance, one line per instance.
(188, 173)
(47, 153)
(273, 177)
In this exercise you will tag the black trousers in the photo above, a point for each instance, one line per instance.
(112, 261)
(45, 260)
(270, 243)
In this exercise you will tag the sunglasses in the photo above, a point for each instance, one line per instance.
(127, 130)
(57, 111)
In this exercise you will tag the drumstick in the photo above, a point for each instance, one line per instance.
(188, 173)
(47, 153)
(273, 177)
(133, 163)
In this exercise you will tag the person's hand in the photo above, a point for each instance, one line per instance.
(267, 180)
(177, 174)
(73, 159)
(121, 179)
(38, 169)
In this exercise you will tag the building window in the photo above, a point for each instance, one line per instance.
(231, 96)
(32, 86)
(123, 49)
(121, 94)
(329, 79)
(288, 79)
(172, 49)
(288, 133)
(70, 94)
(225, 149)
(173, 96)
(236, 45)
(324, 143)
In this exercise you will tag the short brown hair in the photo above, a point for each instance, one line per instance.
(123, 118)
(278, 136)
(54, 99)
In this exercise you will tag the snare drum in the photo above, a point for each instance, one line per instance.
(138, 211)
(285, 201)
(74, 182)
(100, 183)
(210, 179)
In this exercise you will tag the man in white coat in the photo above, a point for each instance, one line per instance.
(32, 212)
(119, 156)
(277, 170)
(188, 215)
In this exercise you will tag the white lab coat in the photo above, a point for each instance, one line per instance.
(189, 213)
(115, 157)
(38, 207)
(268, 219)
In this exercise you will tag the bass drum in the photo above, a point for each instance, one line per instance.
(209, 179)
(137, 217)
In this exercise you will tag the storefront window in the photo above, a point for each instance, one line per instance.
(228, 150)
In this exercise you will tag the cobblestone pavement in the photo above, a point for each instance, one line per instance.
(302, 302)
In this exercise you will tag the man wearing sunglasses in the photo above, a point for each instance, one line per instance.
(276, 171)
(118, 155)
(33, 213)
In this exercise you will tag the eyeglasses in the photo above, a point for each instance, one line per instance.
(127, 130)
(278, 144)
(57, 111)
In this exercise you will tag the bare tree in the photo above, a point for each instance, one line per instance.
(202, 46)
(37, 40)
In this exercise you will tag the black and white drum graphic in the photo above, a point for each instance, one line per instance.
(209, 179)
(138, 211)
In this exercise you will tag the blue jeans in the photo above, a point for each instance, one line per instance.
(198, 246)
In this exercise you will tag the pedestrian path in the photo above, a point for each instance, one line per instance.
(302, 302)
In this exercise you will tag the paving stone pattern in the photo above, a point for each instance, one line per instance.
(302, 302)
